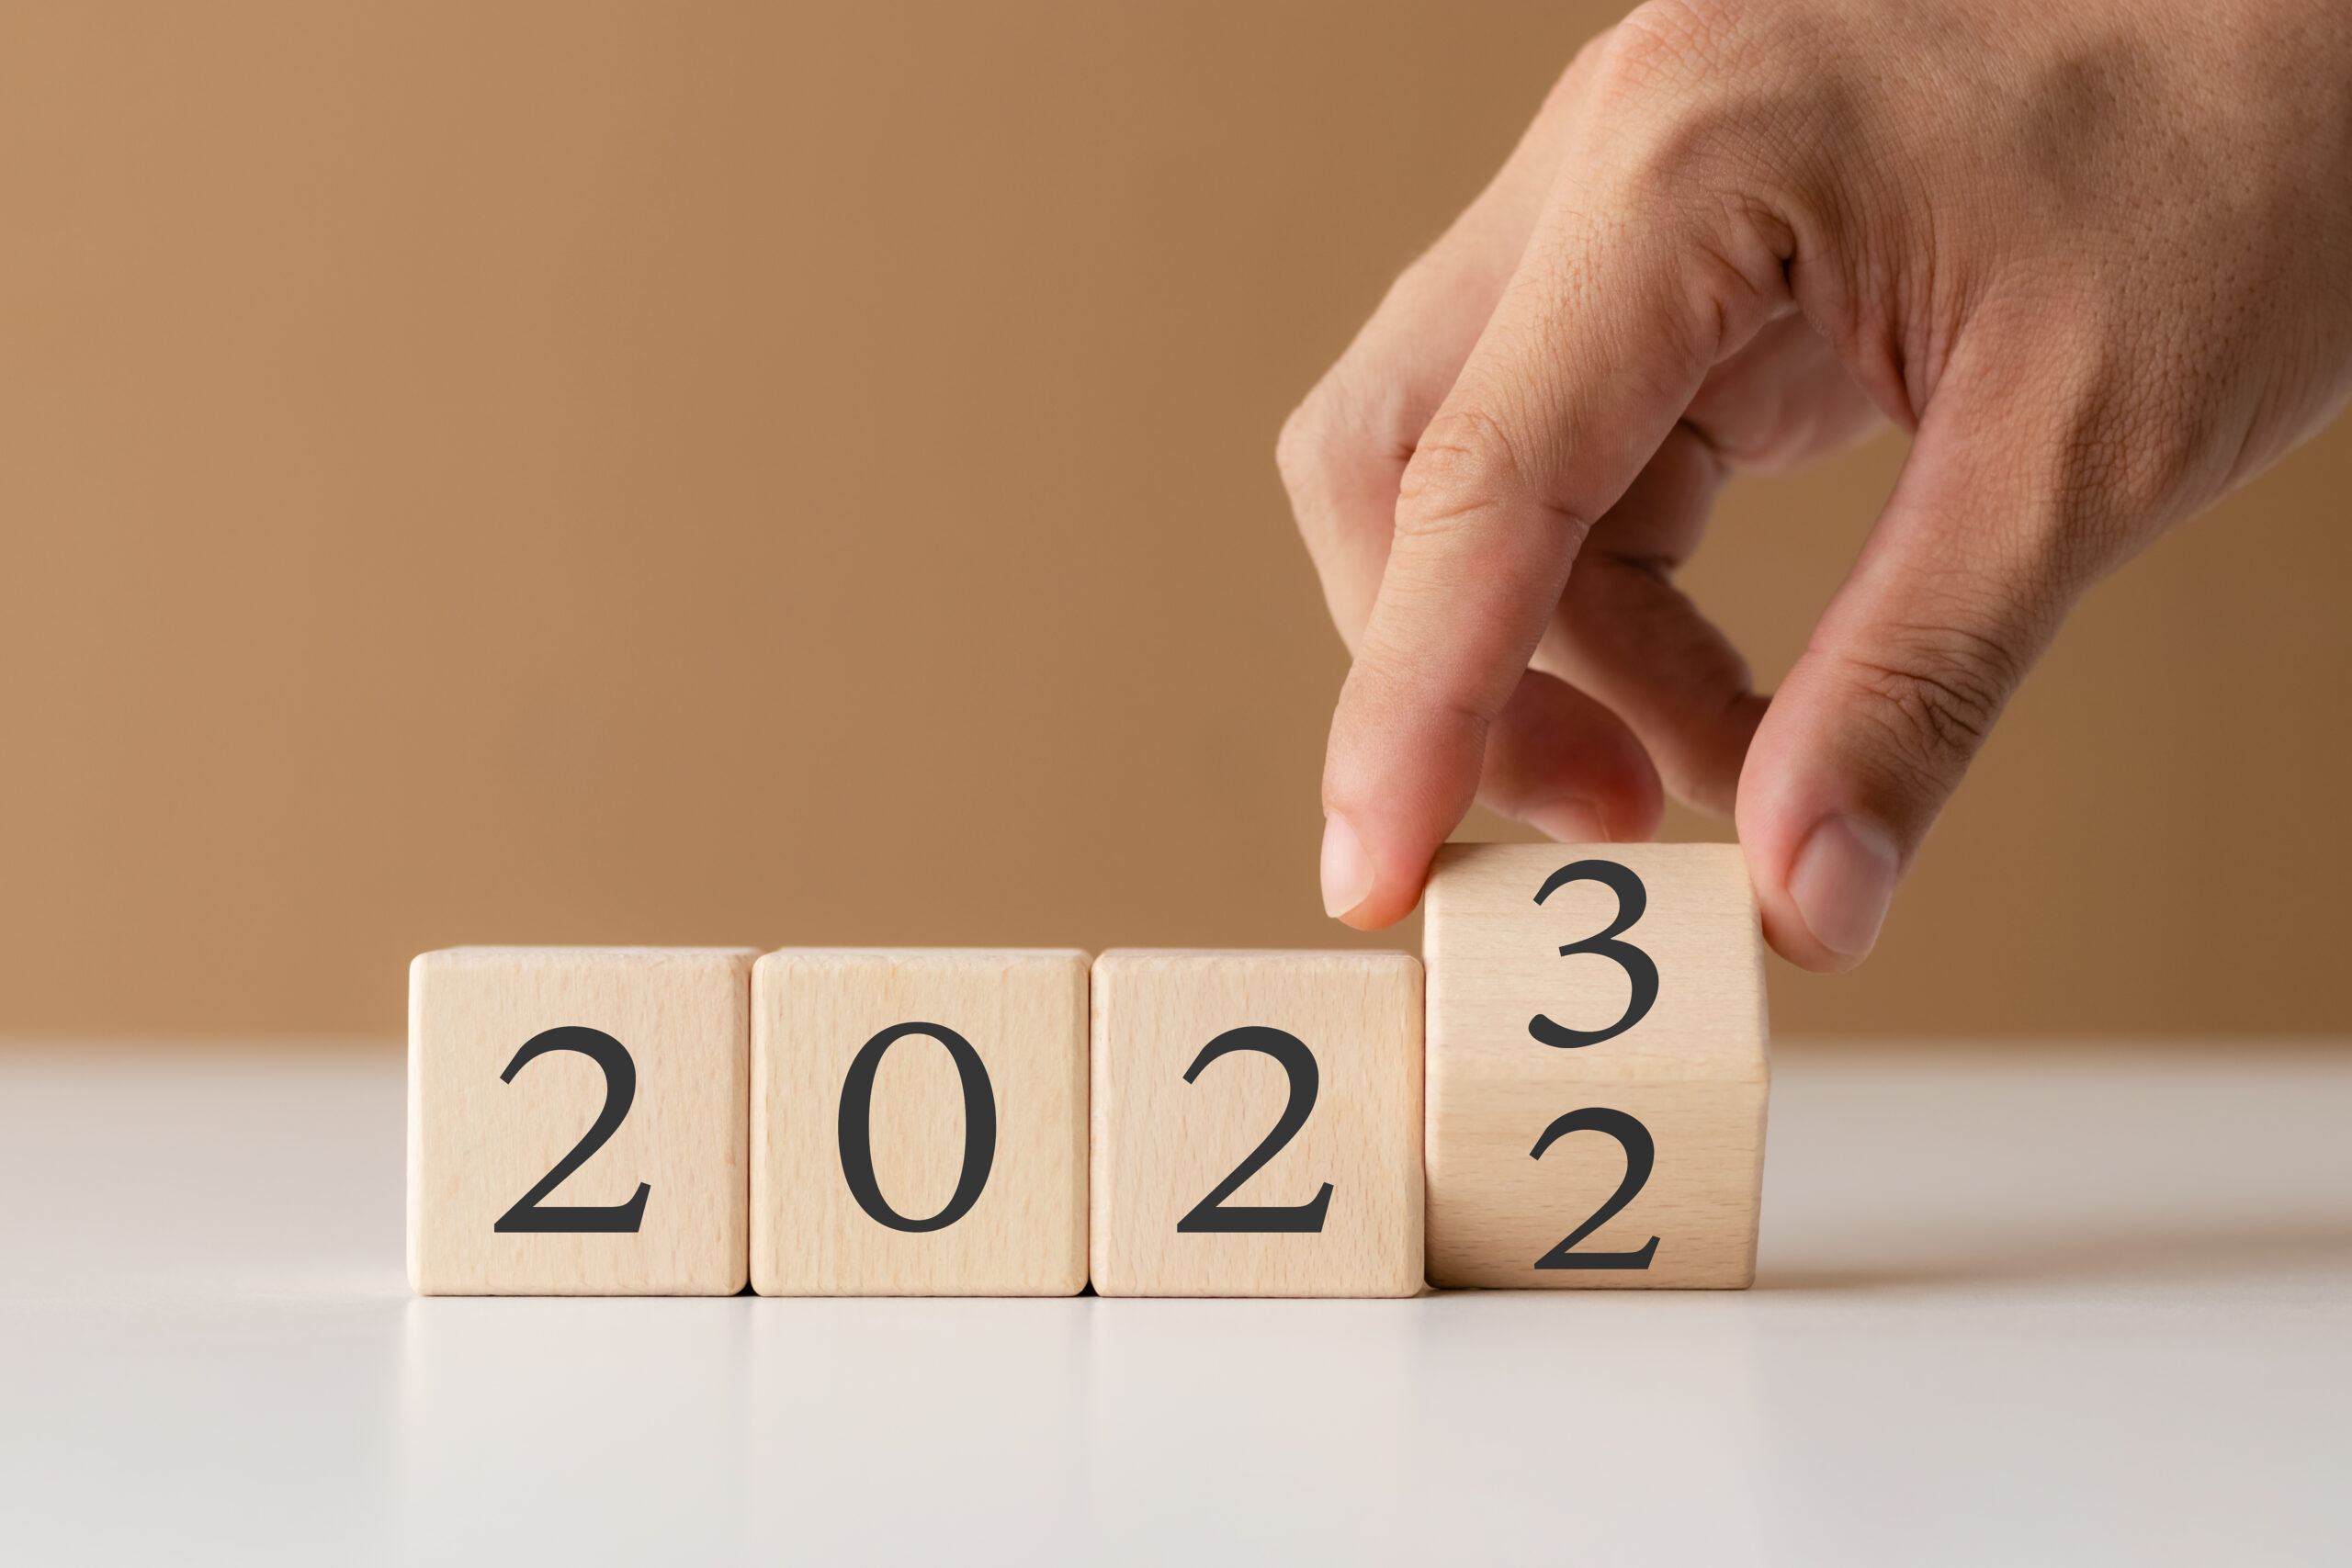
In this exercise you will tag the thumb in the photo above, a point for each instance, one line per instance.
(1975, 560)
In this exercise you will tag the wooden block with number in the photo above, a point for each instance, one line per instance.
(1597, 1067)
(576, 1121)
(919, 1122)
(1257, 1125)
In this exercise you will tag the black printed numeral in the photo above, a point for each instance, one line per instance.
(620, 1091)
(857, 1128)
(1299, 1062)
(1641, 1154)
(1632, 899)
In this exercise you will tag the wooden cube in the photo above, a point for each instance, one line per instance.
(919, 1122)
(1597, 1071)
(576, 1121)
(1257, 1125)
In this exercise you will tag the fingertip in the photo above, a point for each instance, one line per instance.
(1825, 864)
(1569, 821)
(1360, 888)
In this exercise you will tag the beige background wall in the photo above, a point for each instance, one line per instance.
(787, 474)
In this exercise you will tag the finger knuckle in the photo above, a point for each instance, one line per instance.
(1466, 463)
(1707, 122)
(1721, 86)
(1934, 694)
(1299, 448)
(1665, 43)
(1314, 446)
(2126, 451)
(1589, 63)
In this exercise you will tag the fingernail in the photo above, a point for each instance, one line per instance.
(1347, 870)
(1842, 882)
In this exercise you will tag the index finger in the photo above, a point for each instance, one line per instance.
(1602, 339)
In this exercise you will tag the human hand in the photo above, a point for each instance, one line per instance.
(2097, 257)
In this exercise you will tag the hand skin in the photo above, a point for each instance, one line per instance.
(2096, 256)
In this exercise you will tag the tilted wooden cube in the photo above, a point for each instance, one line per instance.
(576, 1121)
(919, 1122)
(1596, 1065)
(1257, 1125)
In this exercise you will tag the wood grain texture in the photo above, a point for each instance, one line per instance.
(1160, 1144)
(477, 1145)
(1693, 1071)
(1022, 1013)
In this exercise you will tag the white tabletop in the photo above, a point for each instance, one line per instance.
(2020, 1306)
